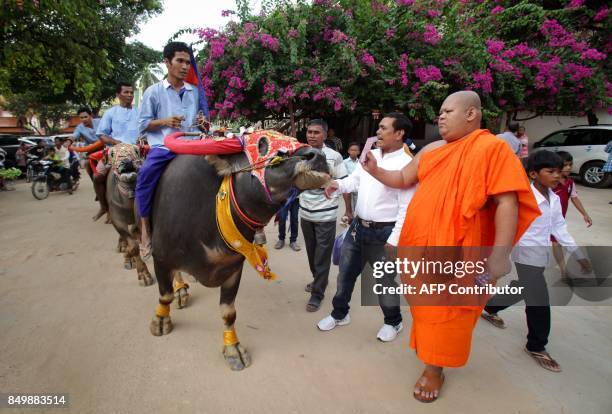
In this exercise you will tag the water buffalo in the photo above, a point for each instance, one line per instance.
(184, 223)
(125, 162)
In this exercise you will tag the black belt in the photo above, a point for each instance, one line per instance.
(375, 224)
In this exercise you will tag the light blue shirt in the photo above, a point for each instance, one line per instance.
(512, 140)
(160, 101)
(120, 124)
(350, 165)
(88, 133)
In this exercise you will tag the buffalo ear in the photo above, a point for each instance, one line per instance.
(223, 167)
(227, 164)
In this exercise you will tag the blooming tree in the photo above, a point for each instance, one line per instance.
(330, 56)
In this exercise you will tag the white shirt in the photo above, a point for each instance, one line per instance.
(376, 201)
(64, 155)
(314, 206)
(534, 247)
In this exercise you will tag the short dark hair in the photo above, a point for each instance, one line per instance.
(319, 122)
(353, 143)
(400, 121)
(543, 159)
(121, 84)
(565, 156)
(513, 127)
(84, 109)
(171, 48)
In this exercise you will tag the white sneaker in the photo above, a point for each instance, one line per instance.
(388, 333)
(328, 323)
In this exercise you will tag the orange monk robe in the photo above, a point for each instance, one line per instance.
(451, 207)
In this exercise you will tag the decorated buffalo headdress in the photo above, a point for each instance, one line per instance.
(262, 146)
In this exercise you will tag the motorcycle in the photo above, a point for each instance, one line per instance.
(46, 180)
(2, 157)
(30, 167)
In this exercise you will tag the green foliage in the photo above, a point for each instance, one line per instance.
(71, 50)
(10, 173)
(329, 56)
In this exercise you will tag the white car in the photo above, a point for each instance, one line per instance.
(33, 139)
(586, 144)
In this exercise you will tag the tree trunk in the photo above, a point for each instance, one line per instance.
(292, 120)
(592, 118)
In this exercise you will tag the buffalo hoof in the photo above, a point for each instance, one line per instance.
(121, 248)
(161, 325)
(129, 263)
(145, 279)
(236, 356)
(182, 298)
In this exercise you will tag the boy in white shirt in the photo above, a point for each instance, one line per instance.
(531, 256)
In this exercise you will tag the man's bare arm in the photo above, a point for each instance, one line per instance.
(506, 221)
(172, 122)
(108, 140)
(348, 207)
(406, 177)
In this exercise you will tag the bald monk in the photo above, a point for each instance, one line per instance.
(472, 191)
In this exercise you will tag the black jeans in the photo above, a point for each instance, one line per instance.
(294, 210)
(537, 309)
(366, 246)
(319, 239)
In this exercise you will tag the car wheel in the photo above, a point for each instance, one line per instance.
(592, 175)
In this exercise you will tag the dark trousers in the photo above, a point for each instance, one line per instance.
(64, 172)
(319, 239)
(364, 245)
(294, 210)
(537, 309)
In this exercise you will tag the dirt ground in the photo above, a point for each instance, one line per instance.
(74, 321)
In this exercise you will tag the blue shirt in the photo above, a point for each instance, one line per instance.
(120, 124)
(350, 165)
(160, 101)
(88, 133)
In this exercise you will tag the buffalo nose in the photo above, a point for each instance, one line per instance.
(317, 159)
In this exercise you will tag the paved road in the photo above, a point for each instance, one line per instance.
(73, 320)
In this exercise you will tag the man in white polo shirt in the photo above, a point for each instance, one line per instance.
(379, 217)
(318, 217)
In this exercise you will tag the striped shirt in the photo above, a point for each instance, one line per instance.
(314, 206)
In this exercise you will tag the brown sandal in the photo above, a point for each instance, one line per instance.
(545, 360)
(422, 383)
(493, 319)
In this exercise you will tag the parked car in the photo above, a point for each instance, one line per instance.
(586, 144)
(9, 143)
(33, 140)
(62, 136)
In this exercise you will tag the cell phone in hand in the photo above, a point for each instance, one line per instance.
(367, 148)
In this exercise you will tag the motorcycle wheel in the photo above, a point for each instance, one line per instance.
(29, 175)
(40, 190)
